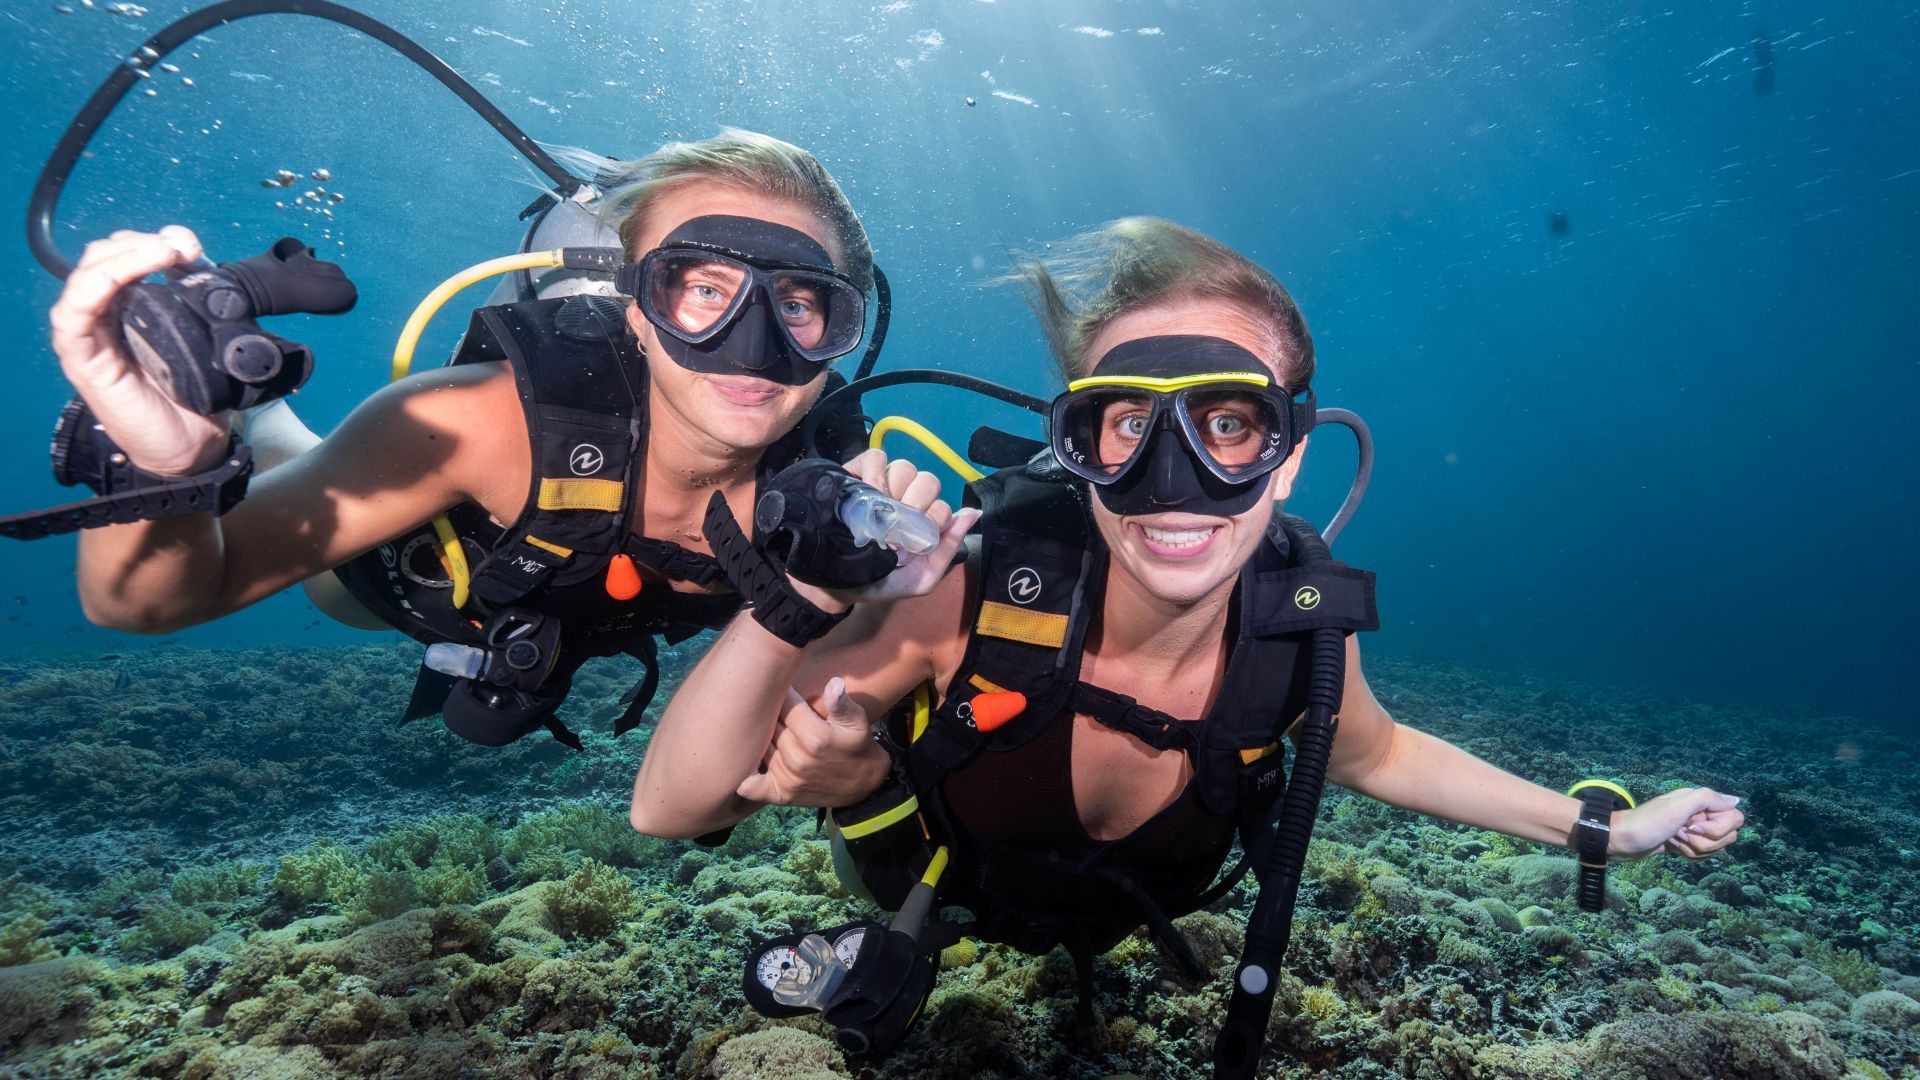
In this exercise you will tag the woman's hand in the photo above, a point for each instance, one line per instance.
(157, 434)
(1695, 822)
(819, 760)
(916, 574)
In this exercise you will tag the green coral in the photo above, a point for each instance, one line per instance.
(323, 873)
(20, 897)
(1853, 972)
(591, 901)
(552, 843)
(1677, 990)
(20, 942)
(221, 885)
(121, 895)
(450, 839)
(167, 928)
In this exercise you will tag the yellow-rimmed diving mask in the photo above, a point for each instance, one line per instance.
(1178, 423)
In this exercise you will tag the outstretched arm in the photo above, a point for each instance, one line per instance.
(756, 720)
(409, 452)
(1413, 770)
(716, 738)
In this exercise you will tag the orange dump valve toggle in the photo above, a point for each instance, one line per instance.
(623, 579)
(991, 711)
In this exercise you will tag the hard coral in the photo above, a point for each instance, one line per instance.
(591, 901)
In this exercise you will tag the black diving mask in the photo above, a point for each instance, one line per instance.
(1182, 422)
(741, 296)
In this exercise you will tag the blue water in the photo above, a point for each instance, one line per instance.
(1671, 445)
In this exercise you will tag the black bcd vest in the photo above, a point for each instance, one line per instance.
(582, 382)
(1041, 570)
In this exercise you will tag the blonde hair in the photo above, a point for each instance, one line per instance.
(1135, 263)
(743, 159)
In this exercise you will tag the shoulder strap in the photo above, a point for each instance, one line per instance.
(1036, 561)
(582, 385)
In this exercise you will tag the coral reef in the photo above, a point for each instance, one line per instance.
(235, 864)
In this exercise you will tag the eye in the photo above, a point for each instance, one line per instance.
(795, 308)
(1134, 426)
(1225, 425)
(707, 294)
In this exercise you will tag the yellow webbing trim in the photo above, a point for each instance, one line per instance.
(1169, 385)
(579, 493)
(1018, 624)
(935, 868)
(986, 686)
(1608, 784)
(544, 545)
(454, 557)
(928, 439)
(881, 820)
(443, 292)
(1255, 753)
(922, 710)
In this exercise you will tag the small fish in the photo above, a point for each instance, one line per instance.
(1559, 224)
(970, 103)
(322, 175)
(280, 179)
(122, 680)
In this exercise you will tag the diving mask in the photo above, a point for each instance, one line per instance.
(740, 296)
(1180, 422)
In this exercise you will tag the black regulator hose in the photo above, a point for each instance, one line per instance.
(59, 166)
(1362, 473)
(847, 398)
(1238, 1047)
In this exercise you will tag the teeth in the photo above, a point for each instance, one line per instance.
(1177, 538)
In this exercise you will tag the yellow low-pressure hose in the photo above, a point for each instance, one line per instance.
(918, 432)
(452, 555)
(935, 868)
(423, 314)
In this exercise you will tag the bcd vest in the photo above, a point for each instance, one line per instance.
(1041, 572)
(582, 382)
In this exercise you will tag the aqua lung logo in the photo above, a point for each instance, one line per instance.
(1307, 598)
(1023, 585)
(586, 459)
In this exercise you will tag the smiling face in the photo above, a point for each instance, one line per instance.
(740, 411)
(1176, 555)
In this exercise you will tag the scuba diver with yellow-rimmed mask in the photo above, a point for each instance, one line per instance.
(1081, 722)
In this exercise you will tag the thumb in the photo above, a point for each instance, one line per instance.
(952, 537)
(1714, 800)
(842, 710)
(759, 787)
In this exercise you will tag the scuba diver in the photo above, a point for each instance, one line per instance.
(531, 505)
(1084, 715)
(747, 271)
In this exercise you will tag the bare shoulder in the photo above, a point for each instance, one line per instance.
(463, 423)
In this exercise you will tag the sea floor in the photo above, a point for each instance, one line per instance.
(236, 864)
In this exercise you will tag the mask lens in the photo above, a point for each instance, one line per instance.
(691, 293)
(822, 315)
(1099, 431)
(1234, 427)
